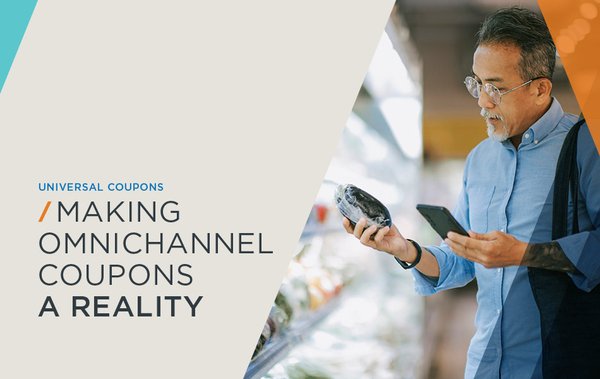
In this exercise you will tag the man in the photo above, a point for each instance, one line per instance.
(506, 201)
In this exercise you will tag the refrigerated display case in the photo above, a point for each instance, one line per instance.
(345, 310)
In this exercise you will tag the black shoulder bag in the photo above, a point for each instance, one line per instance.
(570, 317)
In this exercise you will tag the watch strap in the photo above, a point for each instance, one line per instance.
(405, 265)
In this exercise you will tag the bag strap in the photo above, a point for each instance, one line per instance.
(566, 177)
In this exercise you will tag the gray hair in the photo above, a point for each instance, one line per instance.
(524, 29)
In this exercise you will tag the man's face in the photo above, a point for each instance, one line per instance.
(498, 64)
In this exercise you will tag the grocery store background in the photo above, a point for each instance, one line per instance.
(345, 311)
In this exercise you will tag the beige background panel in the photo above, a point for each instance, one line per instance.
(235, 106)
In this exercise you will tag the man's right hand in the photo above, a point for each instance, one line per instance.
(387, 239)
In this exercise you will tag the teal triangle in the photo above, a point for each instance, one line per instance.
(14, 17)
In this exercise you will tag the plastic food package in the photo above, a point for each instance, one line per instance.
(262, 340)
(294, 291)
(282, 311)
(355, 204)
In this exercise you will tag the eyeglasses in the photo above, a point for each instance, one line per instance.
(474, 88)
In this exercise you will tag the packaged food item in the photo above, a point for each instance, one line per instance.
(282, 311)
(321, 287)
(293, 296)
(262, 340)
(354, 204)
(307, 370)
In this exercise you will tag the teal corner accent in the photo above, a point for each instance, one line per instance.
(14, 17)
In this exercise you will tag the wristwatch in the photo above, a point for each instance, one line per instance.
(405, 265)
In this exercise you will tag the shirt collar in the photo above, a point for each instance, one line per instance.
(544, 125)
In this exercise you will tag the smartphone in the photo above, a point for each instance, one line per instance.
(441, 220)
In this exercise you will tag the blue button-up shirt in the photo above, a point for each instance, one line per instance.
(509, 189)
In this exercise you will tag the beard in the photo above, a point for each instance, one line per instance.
(492, 132)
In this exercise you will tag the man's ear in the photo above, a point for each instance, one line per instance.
(543, 89)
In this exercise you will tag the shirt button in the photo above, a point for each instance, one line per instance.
(536, 142)
(526, 135)
(499, 270)
(502, 230)
(497, 311)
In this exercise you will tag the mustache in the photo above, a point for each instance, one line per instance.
(487, 114)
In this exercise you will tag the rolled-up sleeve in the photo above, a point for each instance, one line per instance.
(455, 272)
(583, 250)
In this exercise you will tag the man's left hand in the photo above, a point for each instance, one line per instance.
(494, 249)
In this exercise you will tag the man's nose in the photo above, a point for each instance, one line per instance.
(485, 101)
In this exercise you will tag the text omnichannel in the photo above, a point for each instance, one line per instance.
(100, 251)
